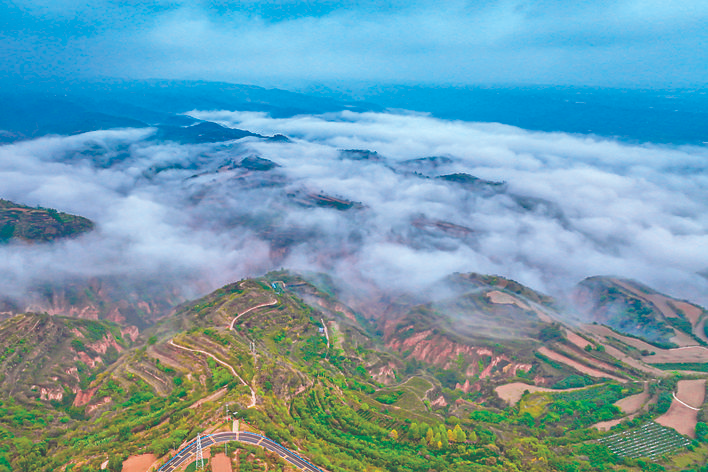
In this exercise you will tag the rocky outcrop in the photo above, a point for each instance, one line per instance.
(84, 396)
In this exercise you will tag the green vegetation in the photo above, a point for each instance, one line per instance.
(333, 405)
(38, 224)
(695, 366)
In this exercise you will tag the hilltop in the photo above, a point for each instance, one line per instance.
(29, 224)
(487, 378)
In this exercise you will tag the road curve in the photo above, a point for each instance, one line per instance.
(190, 450)
(270, 303)
(253, 393)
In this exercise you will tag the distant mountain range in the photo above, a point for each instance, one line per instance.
(670, 116)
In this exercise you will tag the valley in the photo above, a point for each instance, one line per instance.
(341, 390)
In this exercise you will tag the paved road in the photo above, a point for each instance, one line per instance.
(186, 453)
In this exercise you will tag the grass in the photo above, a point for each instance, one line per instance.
(418, 385)
(534, 404)
(691, 459)
(193, 466)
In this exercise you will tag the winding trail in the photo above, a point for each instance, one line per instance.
(253, 392)
(270, 303)
(685, 404)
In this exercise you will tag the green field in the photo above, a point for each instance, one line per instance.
(697, 366)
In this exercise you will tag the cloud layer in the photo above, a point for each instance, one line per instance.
(193, 217)
(623, 42)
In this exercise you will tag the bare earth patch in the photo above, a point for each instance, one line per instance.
(630, 405)
(666, 306)
(682, 339)
(605, 331)
(607, 425)
(693, 313)
(633, 403)
(512, 392)
(221, 463)
(683, 413)
(577, 365)
(682, 354)
(660, 356)
(575, 339)
(501, 298)
(588, 359)
(692, 392)
(139, 463)
(659, 301)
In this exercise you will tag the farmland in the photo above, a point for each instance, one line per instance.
(651, 440)
(683, 413)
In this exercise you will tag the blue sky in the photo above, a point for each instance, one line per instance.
(610, 43)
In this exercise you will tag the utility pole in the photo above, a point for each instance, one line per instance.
(200, 454)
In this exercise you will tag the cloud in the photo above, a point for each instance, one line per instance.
(597, 43)
(189, 216)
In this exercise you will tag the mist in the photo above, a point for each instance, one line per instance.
(550, 208)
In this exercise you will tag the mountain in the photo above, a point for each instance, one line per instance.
(31, 110)
(634, 309)
(23, 223)
(426, 384)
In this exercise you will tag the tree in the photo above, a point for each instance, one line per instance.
(414, 432)
(702, 431)
(450, 436)
(393, 434)
(460, 435)
(436, 440)
(429, 435)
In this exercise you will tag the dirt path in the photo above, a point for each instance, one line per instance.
(270, 303)
(692, 392)
(160, 388)
(683, 413)
(577, 365)
(214, 396)
(253, 392)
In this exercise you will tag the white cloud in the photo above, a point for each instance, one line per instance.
(574, 206)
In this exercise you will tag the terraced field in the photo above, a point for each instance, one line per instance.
(651, 440)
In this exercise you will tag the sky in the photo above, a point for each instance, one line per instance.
(188, 216)
(623, 43)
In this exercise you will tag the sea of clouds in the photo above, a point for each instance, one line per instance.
(573, 206)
